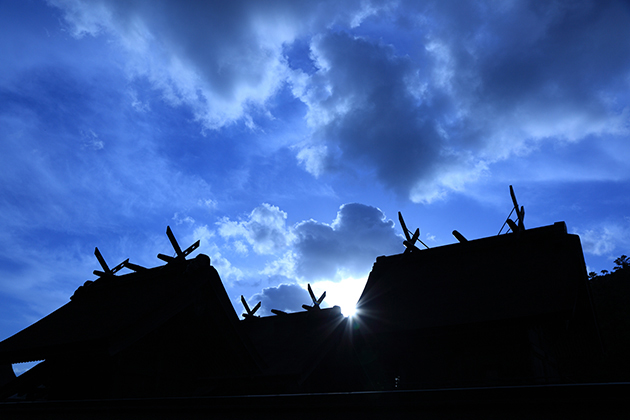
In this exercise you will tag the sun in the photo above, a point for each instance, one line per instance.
(349, 310)
(344, 293)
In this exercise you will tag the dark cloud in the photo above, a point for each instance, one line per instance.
(362, 104)
(535, 58)
(347, 247)
(284, 297)
(479, 83)
(423, 96)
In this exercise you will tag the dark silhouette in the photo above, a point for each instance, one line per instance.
(611, 297)
(249, 313)
(509, 310)
(316, 302)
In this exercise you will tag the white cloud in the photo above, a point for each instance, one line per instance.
(137, 104)
(313, 157)
(85, 18)
(92, 141)
(224, 60)
(219, 59)
(209, 203)
(178, 219)
(284, 266)
(229, 273)
(598, 242)
(265, 229)
(605, 240)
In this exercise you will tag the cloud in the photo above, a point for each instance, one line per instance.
(424, 109)
(58, 168)
(265, 229)
(91, 140)
(346, 248)
(363, 111)
(220, 59)
(40, 279)
(284, 266)
(525, 74)
(179, 219)
(606, 239)
(371, 111)
(224, 60)
(490, 83)
(311, 250)
(285, 297)
(289, 297)
(208, 245)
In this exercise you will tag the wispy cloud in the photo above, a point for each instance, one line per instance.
(224, 61)
(607, 239)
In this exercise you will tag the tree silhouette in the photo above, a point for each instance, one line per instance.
(611, 300)
(622, 263)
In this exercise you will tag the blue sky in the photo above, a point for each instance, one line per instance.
(287, 135)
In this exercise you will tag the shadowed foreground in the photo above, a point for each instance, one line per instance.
(501, 325)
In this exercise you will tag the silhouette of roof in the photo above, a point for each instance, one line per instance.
(529, 273)
(114, 311)
(172, 330)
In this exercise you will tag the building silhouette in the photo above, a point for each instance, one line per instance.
(512, 310)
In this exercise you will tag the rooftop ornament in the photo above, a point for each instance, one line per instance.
(316, 302)
(181, 255)
(249, 312)
(409, 243)
(107, 272)
(519, 225)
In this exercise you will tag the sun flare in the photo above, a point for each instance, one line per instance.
(344, 294)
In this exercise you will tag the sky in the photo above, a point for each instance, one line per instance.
(287, 135)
